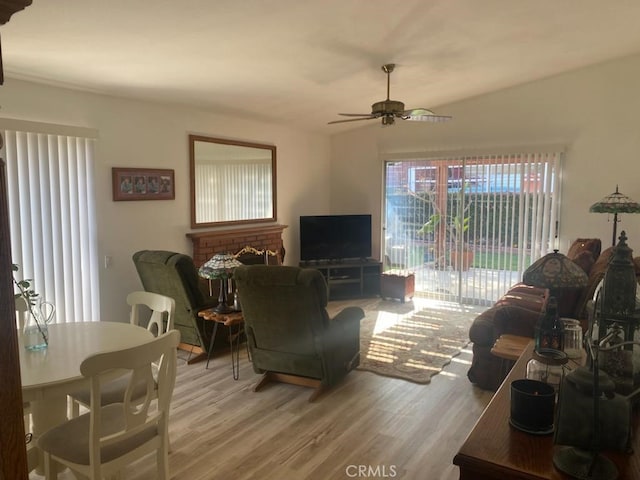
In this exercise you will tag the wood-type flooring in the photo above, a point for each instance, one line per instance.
(369, 426)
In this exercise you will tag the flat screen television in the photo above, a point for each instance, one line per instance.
(335, 237)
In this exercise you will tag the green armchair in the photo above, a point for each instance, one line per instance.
(289, 333)
(175, 275)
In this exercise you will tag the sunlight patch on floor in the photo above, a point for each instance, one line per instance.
(435, 354)
(381, 357)
(425, 308)
(440, 305)
(386, 320)
(415, 340)
(391, 343)
(450, 341)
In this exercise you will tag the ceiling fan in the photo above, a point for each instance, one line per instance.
(389, 110)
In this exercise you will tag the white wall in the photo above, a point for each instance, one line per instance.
(140, 134)
(593, 112)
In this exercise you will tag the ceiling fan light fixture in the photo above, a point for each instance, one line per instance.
(389, 109)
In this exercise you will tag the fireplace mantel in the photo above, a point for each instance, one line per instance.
(231, 240)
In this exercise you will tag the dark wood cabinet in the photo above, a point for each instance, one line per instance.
(349, 279)
(494, 450)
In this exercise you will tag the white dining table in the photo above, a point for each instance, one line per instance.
(48, 375)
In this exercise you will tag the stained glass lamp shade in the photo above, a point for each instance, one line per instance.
(221, 267)
(615, 203)
(555, 271)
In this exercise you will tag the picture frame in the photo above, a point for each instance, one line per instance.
(143, 184)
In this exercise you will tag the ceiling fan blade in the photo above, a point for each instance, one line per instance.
(429, 118)
(356, 114)
(418, 111)
(353, 119)
(423, 115)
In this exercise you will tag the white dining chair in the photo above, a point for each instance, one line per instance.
(161, 321)
(158, 304)
(103, 441)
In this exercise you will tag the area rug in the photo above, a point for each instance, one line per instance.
(413, 346)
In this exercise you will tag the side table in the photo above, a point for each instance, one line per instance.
(509, 348)
(230, 320)
(397, 284)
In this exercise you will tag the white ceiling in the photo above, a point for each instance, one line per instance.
(302, 61)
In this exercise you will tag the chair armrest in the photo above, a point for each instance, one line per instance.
(343, 327)
(481, 331)
(341, 343)
(349, 314)
(523, 300)
(515, 320)
(529, 290)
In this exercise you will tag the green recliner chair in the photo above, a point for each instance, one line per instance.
(175, 275)
(289, 333)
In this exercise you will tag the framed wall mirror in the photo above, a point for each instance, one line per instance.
(232, 182)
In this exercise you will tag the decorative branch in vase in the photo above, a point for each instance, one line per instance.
(35, 330)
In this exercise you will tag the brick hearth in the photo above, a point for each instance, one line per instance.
(207, 244)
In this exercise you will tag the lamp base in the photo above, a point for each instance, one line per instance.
(222, 308)
(584, 465)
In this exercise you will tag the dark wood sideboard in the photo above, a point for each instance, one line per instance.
(495, 450)
(352, 279)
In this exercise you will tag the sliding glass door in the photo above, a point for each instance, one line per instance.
(468, 226)
(50, 184)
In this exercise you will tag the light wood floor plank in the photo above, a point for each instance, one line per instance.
(221, 429)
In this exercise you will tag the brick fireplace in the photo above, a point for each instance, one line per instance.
(207, 244)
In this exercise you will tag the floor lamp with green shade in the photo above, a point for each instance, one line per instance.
(615, 203)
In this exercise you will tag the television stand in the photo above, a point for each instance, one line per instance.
(349, 278)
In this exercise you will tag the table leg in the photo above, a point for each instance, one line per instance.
(46, 414)
(235, 353)
(213, 337)
(246, 346)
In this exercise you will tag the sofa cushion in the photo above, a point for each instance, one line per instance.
(515, 320)
(593, 245)
(481, 330)
(487, 371)
(520, 298)
(585, 260)
(526, 296)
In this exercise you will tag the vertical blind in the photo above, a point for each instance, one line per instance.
(238, 191)
(52, 219)
(502, 208)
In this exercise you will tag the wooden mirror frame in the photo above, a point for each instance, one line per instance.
(192, 173)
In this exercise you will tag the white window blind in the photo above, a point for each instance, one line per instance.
(238, 191)
(502, 209)
(52, 219)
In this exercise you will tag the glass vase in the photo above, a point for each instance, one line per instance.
(35, 334)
